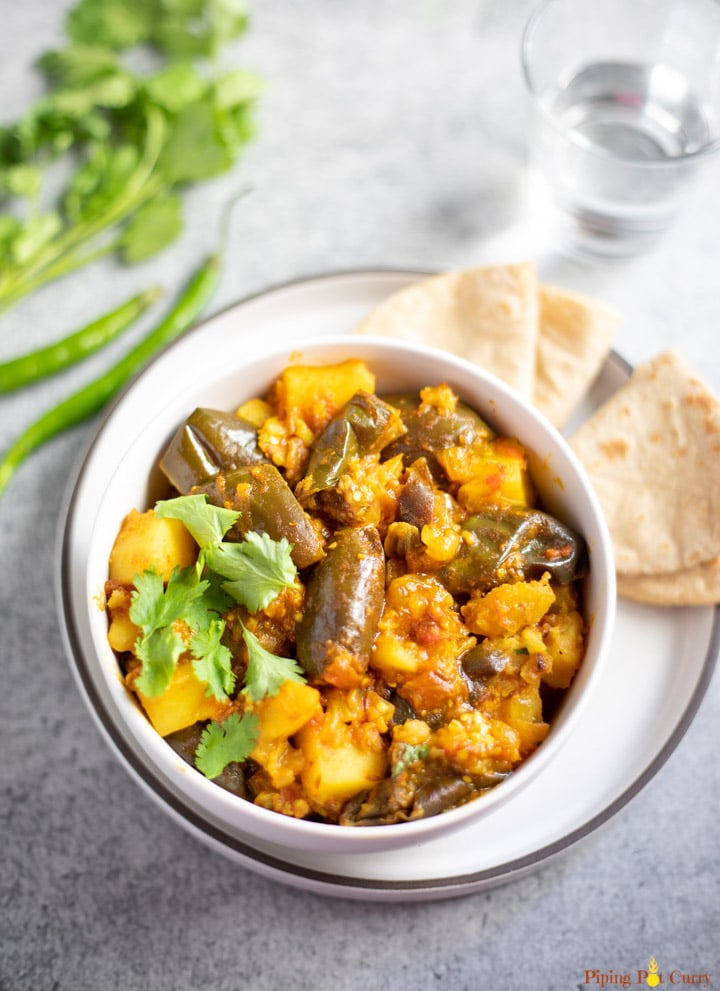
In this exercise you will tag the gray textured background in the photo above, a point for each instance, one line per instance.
(391, 134)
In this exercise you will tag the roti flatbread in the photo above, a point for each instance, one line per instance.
(698, 586)
(573, 342)
(488, 315)
(547, 344)
(652, 452)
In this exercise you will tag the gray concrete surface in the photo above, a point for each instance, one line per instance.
(391, 134)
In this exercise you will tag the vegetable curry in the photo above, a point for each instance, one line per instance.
(351, 608)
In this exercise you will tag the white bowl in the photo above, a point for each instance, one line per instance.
(119, 472)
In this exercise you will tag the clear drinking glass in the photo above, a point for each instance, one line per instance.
(624, 108)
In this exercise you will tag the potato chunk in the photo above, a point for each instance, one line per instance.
(315, 393)
(147, 541)
(344, 757)
(420, 638)
(281, 716)
(122, 632)
(564, 637)
(183, 702)
(507, 608)
(489, 472)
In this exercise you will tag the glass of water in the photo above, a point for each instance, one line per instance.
(624, 108)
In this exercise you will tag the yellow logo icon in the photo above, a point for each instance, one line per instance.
(652, 980)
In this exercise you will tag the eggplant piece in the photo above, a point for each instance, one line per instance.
(343, 603)
(185, 743)
(483, 661)
(207, 442)
(362, 426)
(423, 789)
(429, 431)
(445, 792)
(266, 504)
(513, 544)
(416, 502)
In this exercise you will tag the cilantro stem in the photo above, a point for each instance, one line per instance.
(63, 266)
(57, 259)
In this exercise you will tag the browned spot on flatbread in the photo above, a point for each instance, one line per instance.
(615, 449)
(702, 402)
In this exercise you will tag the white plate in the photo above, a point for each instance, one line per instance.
(660, 664)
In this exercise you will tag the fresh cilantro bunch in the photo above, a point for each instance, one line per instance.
(131, 142)
(186, 614)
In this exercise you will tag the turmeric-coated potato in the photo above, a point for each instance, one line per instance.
(146, 541)
(183, 702)
(507, 608)
(315, 393)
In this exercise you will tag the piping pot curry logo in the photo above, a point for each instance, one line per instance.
(653, 979)
(650, 977)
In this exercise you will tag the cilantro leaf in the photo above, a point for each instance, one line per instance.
(198, 27)
(176, 86)
(225, 743)
(34, 235)
(237, 86)
(258, 568)
(201, 612)
(77, 65)
(410, 753)
(155, 606)
(102, 177)
(213, 660)
(20, 180)
(265, 671)
(208, 524)
(153, 227)
(195, 148)
(159, 652)
(115, 24)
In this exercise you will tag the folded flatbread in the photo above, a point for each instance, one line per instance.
(549, 345)
(698, 586)
(488, 315)
(652, 452)
(573, 342)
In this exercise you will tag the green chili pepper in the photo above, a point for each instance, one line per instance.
(361, 427)
(207, 442)
(47, 361)
(90, 399)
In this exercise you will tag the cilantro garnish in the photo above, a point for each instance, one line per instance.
(258, 568)
(410, 753)
(155, 605)
(226, 742)
(130, 140)
(155, 608)
(159, 652)
(187, 613)
(213, 660)
(265, 671)
(207, 524)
